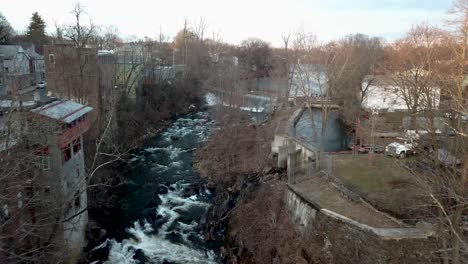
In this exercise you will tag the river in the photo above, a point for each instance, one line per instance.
(164, 201)
(335, 136)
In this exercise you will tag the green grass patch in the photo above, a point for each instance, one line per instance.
(368, 176)
(383, 181)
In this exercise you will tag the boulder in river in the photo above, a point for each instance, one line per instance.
(163, 189)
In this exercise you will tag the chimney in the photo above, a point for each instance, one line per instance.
(40, 96)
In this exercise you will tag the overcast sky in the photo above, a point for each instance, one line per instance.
(236, 20)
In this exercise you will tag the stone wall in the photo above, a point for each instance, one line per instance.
(347, 241)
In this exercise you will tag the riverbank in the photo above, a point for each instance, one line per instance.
(250, 194)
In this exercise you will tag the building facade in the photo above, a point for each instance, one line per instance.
(84, 75)
(62, 161)
(49, 193)
(20, 69)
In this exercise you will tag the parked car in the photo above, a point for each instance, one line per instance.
(41, 85)
(368, 148)
(399, 150)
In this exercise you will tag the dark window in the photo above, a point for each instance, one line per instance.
(42, 151)
(66, 152)
(76, 145)
(52, 58)
(6, 69)
(77, 200)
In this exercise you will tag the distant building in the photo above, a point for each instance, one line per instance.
(72, 73)
(384, 96)
(307, 80)
(85, 75)
(37, 65)
(19, 68)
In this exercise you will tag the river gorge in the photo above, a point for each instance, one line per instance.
(164, 201)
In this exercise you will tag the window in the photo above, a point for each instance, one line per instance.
(43, 159)
(77, 200)
(52, 58)
(76, 145)
(66, 154)
(6, 69)
(384, 100)
(45, 163)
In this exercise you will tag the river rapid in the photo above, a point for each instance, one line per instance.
(165, 201)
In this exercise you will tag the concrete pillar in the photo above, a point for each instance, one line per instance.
(291, 161)
(282, 157)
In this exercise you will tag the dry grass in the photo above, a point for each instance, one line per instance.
(383, 181)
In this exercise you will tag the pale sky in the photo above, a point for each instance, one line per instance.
(236, 20)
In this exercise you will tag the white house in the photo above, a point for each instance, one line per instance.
(307, 80)
(389, 97)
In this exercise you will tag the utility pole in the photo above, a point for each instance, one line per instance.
(375, 112)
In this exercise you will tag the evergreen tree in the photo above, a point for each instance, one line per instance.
(36, 32)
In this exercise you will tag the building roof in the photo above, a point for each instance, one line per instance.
(64, 110)
(33, 54)
(9, 103)
(9, 51)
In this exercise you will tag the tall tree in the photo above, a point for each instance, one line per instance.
(256, 57)
(365, 52)
(79, 33)
(6, 30)
(413, 63)
(36, 32)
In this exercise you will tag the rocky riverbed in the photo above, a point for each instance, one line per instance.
(164, 202)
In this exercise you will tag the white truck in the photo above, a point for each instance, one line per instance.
(400, 150)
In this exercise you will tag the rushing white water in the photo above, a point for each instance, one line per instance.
(171, 234)
(154, 243)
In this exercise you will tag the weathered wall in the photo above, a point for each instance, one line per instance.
(347, 241)
(74, 186)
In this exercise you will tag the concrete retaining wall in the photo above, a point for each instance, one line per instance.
(348, 241)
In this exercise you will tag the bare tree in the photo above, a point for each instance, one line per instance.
(365, 53)
(319, 75)
(6, 30)
(443, 176)
(412, 66)
(79, 33)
